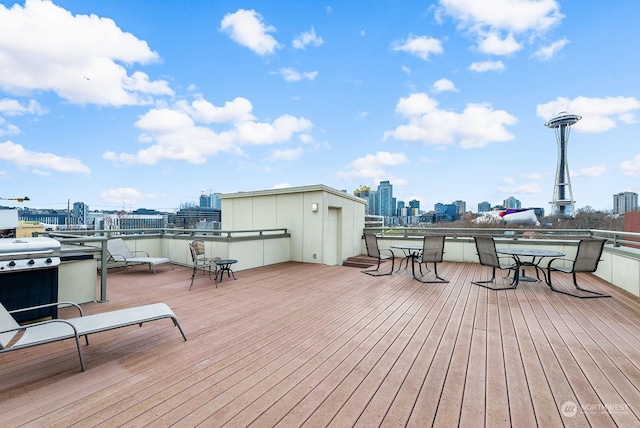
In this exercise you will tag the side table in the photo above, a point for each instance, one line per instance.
(224, 265)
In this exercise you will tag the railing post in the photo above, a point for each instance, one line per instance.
(103, 272)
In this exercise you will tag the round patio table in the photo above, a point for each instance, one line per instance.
(536, 255)
(224, 265)
(410, 250)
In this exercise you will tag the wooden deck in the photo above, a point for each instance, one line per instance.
(301, 344)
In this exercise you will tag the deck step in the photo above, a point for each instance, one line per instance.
(361, 261)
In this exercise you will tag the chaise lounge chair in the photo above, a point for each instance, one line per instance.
(119, 252)
(55, 330)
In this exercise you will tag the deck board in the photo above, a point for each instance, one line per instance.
(300, 344)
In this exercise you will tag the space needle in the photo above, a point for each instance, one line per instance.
(562, 203)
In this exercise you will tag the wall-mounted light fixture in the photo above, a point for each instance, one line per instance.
(314, 207)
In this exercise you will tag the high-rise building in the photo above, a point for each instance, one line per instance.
(79, 213)
(211, 200)
(385, 199)
(484, 207)
(461, 206)
(368, 195)
(446, 212)
(512, 203)
(624, 202)
(415, 204)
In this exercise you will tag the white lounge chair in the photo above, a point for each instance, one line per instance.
(119, 252)
(14, 336)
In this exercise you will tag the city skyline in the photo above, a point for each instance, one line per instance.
(143, 105)
(622, 202)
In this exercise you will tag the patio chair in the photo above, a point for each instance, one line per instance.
(119, 252)
(56, 330)
(432, 252)
(486, 247)
(201, 261)
(371, 242)
(587, 259)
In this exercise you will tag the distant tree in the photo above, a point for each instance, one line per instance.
(587, 218)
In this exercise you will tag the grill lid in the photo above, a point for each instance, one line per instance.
(28, 248)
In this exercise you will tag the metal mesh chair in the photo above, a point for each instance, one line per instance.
(587, 259)
(486, 247)
(371, 241)
(201, 261)
(432, 252)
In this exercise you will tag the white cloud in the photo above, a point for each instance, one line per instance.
(533, 176)
(598, 114)
(178, 133)
(443, 85)
(8, 128)
(511, 15)
(545, 53)
(527, 18)
(247, 28)
(11, 107)
(201, 110)
(476, 126)
(281, 186)
(406, 69)
(285, 155)
(416, 105)
(512, 188)
(372, 166)
(592, 171)
(305, 138)
(527, 188)
(18, 155)
(302, 40)
(293, 75)
(420, 46)
(493, 44)
(627, 118)
(125, 195)
(79, 57)
(280, 130)
(484, 66)
(631, 167)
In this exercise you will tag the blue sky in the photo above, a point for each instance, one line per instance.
(133, 104)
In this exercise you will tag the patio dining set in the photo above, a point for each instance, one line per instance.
(512, 260)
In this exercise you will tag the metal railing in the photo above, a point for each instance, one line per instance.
(225, 234)
(84, 238)
(615, 237)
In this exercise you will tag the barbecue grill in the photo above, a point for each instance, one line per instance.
(29, 275)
